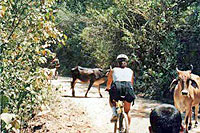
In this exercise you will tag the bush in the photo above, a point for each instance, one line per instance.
(27, 30)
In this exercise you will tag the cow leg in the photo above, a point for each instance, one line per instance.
(196, 114)
(99, 91)
(190, 119)
(186, 123)
(72, 86)
(90, 85)
(187, 115)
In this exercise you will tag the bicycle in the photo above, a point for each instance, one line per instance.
(121, 124)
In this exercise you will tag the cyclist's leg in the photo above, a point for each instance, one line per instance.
(114, 96)
(127, 106)
(112, 102)
(113, 106)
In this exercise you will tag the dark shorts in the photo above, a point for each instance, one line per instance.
(122, 91)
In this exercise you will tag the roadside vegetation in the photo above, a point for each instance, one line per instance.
(27, 30)
(157, 35)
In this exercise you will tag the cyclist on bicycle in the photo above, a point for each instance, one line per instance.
(120, 86)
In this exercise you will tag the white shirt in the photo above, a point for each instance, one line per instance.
(122, 74)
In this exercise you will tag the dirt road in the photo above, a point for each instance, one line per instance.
(78, 114)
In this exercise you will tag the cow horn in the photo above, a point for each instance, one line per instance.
(177, 69)
(191, 67)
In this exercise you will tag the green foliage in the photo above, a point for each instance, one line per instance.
(80, 6)
(71, 54)
(27, 30)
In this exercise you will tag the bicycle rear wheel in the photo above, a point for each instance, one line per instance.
(123, 123)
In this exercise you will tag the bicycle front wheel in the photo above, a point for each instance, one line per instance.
(123, 123)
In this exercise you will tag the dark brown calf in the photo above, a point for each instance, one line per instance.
(93, 76)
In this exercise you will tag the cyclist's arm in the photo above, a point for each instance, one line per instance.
(110, 79)
(132, 79)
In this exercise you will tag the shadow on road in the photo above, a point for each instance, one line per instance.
(143, 107)
(139, 113)
(80, 97)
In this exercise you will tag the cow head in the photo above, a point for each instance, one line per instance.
(108, 71)
(184, 82)
(102, 73)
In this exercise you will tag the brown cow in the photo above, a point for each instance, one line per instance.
(186, 95)
(93, 76)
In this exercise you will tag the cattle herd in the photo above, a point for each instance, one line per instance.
(185, 88)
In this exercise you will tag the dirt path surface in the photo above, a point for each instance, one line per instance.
(78, 114)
